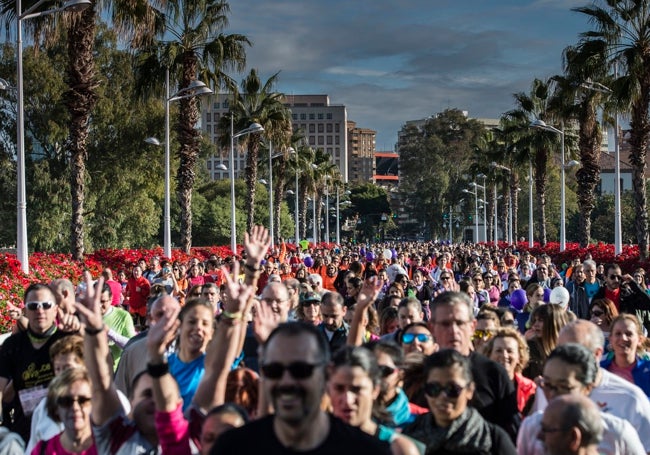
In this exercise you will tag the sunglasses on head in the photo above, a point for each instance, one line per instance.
(33, 306)
(297, 370)
(481, 335)
(451, 390)
(67, 401)
(409, 338)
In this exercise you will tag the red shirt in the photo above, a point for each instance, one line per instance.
(138, 290)
(614, 296)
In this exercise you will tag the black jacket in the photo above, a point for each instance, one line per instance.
(633, 300)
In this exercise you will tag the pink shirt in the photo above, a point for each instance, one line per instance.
(53, 447)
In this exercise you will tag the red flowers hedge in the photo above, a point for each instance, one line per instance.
(46, 267)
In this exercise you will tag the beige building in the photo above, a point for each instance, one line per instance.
(324, 126)
(361, 150)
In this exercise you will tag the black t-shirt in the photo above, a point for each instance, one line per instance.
(30, 370)
(259, 437)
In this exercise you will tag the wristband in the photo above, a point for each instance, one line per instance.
(229, 315)
(92, 332)
(157, 371)
(252, 268)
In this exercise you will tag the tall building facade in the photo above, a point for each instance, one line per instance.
(324, 126)
(361, 149)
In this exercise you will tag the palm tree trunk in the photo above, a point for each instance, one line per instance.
(279, 191)
(589, 173)
(303, 213)
(251, 178)
(639, 138)
(319, 214)
(541, 159)
(188, 153)
(514, 191)
(80, 100)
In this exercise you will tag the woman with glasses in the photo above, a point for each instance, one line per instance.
(68, 402)
(509, 348)
(353, 388)
(492, 285)
(453, 427)
(602, 312)
(627, 358)
(417, 337)
(308, 310)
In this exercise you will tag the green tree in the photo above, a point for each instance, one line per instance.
(620, 34)
(191, 45)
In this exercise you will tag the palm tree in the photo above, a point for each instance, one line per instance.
(192, 46)
(620, 32)
(301, 164)
(324, 169)
(258, 103)
(530, 107)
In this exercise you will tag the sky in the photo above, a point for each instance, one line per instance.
(393, 61)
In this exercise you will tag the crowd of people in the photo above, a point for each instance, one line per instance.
(416, 348)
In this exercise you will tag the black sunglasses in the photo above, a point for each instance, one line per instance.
(451, 390)
(386, 371)
(67, 401)
(297, 370)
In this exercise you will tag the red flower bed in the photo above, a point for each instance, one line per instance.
(46, 267)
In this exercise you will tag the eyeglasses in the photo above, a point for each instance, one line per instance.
(409, 338)
(386, 371)
(543, 429)
(615, 277)
(445, 277)
(451, 390)
(67, 401)
(482, 335)
(297, 370)
(597, 313)
(507, 322)
(558, 389)
(33, 306)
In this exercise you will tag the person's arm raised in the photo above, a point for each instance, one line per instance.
(166, 394)
(105, 401)
(256, 244)
(224, 346)
(366, 297)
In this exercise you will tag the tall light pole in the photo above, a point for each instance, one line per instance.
(618, 242)
(297, 213)
(22, 251)
(495, 165)
(271, 231)
(496, 217)
(484, 177)
(327, 210)
(253, 128)
(475, 194)
(196, 88)
(530, 203)
(540, 124)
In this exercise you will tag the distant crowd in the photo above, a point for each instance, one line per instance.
(406, 348)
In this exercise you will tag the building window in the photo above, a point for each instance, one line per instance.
(336, 128)
(312, 140)
(208, 116)
(329, 127)
(226, 104)
(303, 116)
(312, 117)
(321, 140)
(320, 116)
(216, 106)
(312, 128)
(329, 140)
(321, 128)
(209, 164)
(294, 116)
(329, 116)
(337, 140)
(208, 128)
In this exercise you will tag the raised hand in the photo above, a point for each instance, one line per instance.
(67, 322)
(369, 291)
(88, 305)
(264, 320)
(257, 243)
(161, 334)
(237, 294)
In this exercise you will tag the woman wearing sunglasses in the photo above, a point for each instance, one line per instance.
(602, 312)
(453, 427)
(68, 402)
(353, 388)
(417, 337)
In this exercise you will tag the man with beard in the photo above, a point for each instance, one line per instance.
(332, 310)
(293, 367)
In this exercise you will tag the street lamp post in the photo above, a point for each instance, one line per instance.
(196, 88)
(509, 239)
(485, 238)
(618, 243)
(22, 251)
(271, 230)
(496, 217)
(540, 124)
(475, 194)
(327, 208)
(530, 203)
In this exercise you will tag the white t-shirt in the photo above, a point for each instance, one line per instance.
(619, 437)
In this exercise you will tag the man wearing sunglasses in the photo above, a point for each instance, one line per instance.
(452, 325)
(625, 292)
(293, 373)
(25, 359)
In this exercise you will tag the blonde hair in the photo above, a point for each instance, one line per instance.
(509, 332)
(59, 387)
